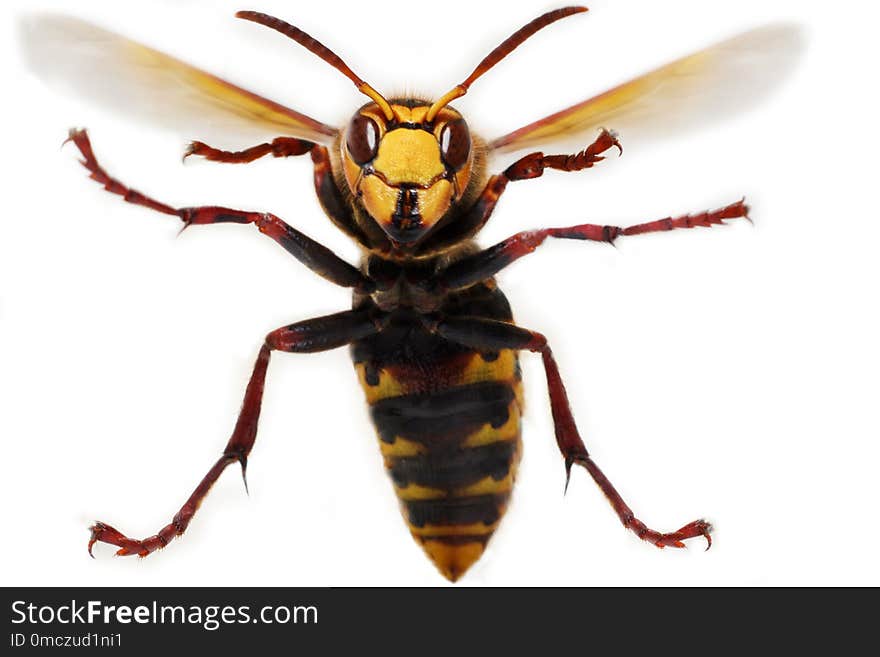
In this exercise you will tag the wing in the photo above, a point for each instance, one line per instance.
(718, 81)
(148, 85)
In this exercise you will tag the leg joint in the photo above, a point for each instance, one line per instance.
(538, 343)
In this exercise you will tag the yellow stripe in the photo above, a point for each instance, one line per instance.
(500, 369)
(400, 447)
(476, 371)
(416, 492)
(487, 434)
(488, 486)
(475, 529)
(388, 385)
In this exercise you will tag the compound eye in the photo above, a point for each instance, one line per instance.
(455, 144)
(362, 139)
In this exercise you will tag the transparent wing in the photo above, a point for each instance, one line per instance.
(707, 85)
(145, 84)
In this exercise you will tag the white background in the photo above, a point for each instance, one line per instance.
(729, 372)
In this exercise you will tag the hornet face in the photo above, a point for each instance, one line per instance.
(407, 171)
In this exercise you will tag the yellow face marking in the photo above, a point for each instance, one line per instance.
(409, 156)
(434, 202)
(410, 114)
(406, 156)
(381, 200)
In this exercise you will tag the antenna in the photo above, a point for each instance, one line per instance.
(322, 51)
(502, 51)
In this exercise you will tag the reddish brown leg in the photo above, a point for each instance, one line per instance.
(279, 147)
(80, 138)
(530, 166)
(533, 164)
(332, 200)
(489, 262)
(313, 335)
(312, 254)
(492, 335)
(237, 449)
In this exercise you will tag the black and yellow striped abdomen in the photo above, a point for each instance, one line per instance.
(448, 421)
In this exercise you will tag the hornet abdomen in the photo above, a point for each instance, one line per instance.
(448, 421)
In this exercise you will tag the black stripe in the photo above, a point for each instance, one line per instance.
(459, 539)
(455, 510)
(450, 470)
(408, 125)
(445, 418)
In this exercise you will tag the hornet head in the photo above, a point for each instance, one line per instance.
(408, 161)
(407, 171)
